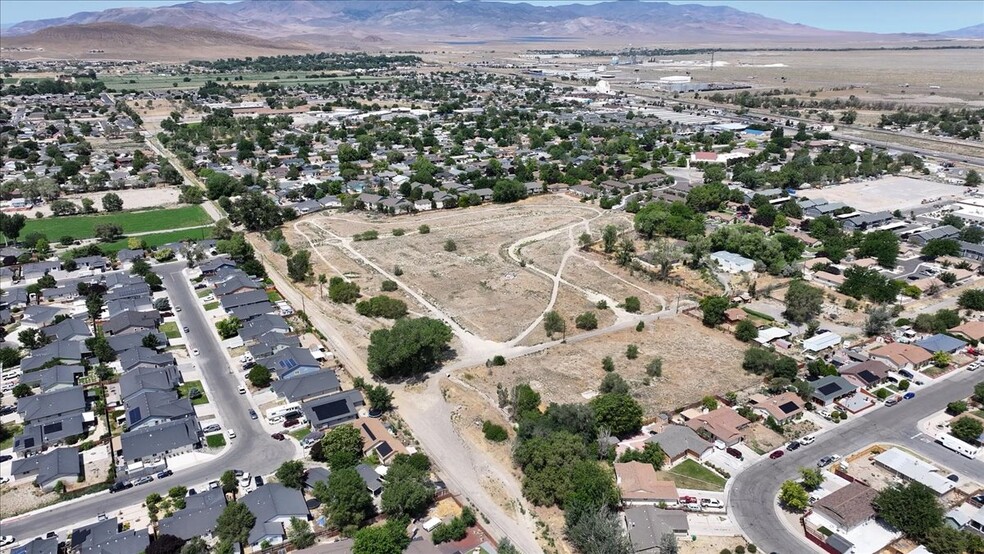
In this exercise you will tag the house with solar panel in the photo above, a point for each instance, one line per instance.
(829, 389)
(290, 362)
(333, 409)
(783, 408)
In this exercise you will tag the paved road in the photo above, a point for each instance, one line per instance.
(753, 494)
(253, 450)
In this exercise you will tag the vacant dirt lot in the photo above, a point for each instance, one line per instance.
(696, 362)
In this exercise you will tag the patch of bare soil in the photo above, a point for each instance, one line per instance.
(570, 304)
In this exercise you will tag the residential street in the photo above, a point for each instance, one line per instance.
(752, 500)
(252, 450)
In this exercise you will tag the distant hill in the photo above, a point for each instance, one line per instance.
(438, 20)
(138, 42)
(974, 31)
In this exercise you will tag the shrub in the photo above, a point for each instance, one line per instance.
(632, 352)
(493, 432)
(398, 232)
(450, 246)
(498, 360)
(632, 304)
(640, 326)
(655, 368)
(601, 305)
(388, 286)
(586, 321)
(607, 364)
(424, 229)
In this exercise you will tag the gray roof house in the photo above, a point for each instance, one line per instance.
(331, 410)
(146, 379)
(941, 232)
(72, 328)
(828, 389)
(861, 222)
(35, 437)
(161, 440)
(94, 533)
(260, 325)
(307, 386)
(273, 505)
(680, 441)
(291, 362)
(248, 312)
(70, 351)
(235, 283)
(151, 408)
(232, 301)
(120, 305)
(135, 290)
(197, 518)
(61, 464)
(127, 255)
(130, 341)
(52, 406)
(54, 377)
(39, 545)
(40, 316)
(130, 321)
(941, 343)
(143, 357)
(370, 478)
(209, 267)
(124, 542)
(648, 524)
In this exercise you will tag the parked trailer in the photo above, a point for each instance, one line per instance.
(958, 446)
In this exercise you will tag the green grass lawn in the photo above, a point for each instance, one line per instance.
(215, 441)
(301, 433)
(170, 330)
(211, 306)
(203, 293)
(274, 296)
(187, 386)
(691, 475)
(82, 226)
(10, 430)
(978, 413)
(158, 239)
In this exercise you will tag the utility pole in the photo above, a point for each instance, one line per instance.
(712, 60)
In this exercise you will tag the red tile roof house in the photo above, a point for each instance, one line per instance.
(711, 157)
(902, 356)
(640, 485)
(783, 407)
(723, 424)
(973, 330)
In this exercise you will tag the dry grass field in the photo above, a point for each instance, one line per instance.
(696, 362)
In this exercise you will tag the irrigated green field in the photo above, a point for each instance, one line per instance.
(83, 226)
(141, 82)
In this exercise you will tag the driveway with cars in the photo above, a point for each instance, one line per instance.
(252, 449)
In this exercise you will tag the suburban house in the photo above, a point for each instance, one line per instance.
(134, 358)
(60, 464)
(151, 408)
(733, 263)
(52, 406)
(723, 424)
(120, 343)
(648, 524)
(131, 321)
(234, 282)
(377, 439)
(197, 518)
(233, 301)
(784, 407)
(65, 351)
(972, 330)
(941, 232)
(307, 386)
(830, 388)
(841, 513)
(291, 362)
(821, 341)
(941, 343)
(35, 437)
(640, 485)
(333, 409)
(863, 222)
(148, 379)
(680, 442)
(106, 537)
(151, 444)
(73, 328)
(273, 505)
(57, 377)
(867, 374)
(902, 356)
(903, 464)
(261, 325)
(39, 545)
(210, 267)
(371, 478)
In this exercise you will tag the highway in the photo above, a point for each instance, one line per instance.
(752, 499)
(252, 450)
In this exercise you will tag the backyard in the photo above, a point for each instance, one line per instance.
(185, 389)
(691, 475)
(83, 226)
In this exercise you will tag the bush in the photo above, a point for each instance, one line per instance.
(450, 246)
(956, 408)
(640, 326)
(398, 232)
(655, 368)
(424, 229)
(632, 352)
(366, 235)
(493, 432)
(607, 364)
(389, 286)
(601, 305)
(498, 360)
(586, 321)
(382, 306)
(632, 304)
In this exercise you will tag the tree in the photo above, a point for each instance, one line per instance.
(235, 523)
(380, 398)
(882, 245)
(229, 327)
(450, 246)
(668, 544)
(260, 376)
(794, 496)
(553, 322)
(101, 349)
(586, 321)
(388, 286)
(941, 358)
(548, 465)
(11, 225)
(713, 308)
(598, 531)
(803, 302)
(745, 330)
(947, 540)
(613, 382)
(382, 306)
(22, 390)
(584, 240)
(63, 207)
(389, 538)
(341, 291)
(655, 368)
(108, 232)
(632, 305)
(151, 341)
(812, 478)
(112, 202)
(619, 413)
(410, 347)
(408, 490)
(345, 498)
(33, 338)
(652, 453)
(291, 474)
(971, 299)
(967, 429)
(228, 482)
(162, 304)
(300, 533)
(973, 178)
(879, 321)
(609, 237)
(608, 364)
(165, 544)
(342, 447)
(299, 266)
(196, 545)
(911, 508)
(935, 248)
(632, 351)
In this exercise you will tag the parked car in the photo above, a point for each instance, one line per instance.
(291, 422)
(793, 446)
(6, 457)
(4, 480)
(165, 473)
(277, 436)
(258, 480)
(143, 480)
(211, 428)
(242, 389)
(120, 485)
(7, 540)
(214, 485)
(177, 308)
(194, 352)
(231, 433)
(892, 401)
(735, 453)
(187, 330)
(711, 503)
(776, 455)
(909, 396)
(827, 460)
(688, 500)
(979, 498)
(252, 414)
(192, 492)
(953, 477)
(807, 439)
(102, 517)
(238, 472)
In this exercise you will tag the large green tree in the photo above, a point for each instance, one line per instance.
(235, 523)
(346, 499)
(619, 413)
(713, 308)
(911, 508)
(410, 347)
(342, 447)
(388, 538)
(291, 474)
(803, 302)
(881, 245)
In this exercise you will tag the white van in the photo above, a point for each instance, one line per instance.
(431, 523)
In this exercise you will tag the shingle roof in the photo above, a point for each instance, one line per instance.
(273, 501)
(831, 387)
(44, 406)
(38, 546)
(676, 440)
(309, 385)
(941, 343)
(51, 466)
(333, 409)
(848, 506)
(638, 481)
(151, 441)
(198, 517)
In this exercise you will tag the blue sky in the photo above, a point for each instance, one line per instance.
(880, 16)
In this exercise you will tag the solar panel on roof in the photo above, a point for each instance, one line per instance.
(52, 428)
(29, 442)
(288, 363)
(868, 376)
(369, 433)
(788, 407)
(829, 389)
(384, 449)
(133, 415)
(330, 410)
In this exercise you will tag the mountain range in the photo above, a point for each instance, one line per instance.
(381, 24)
